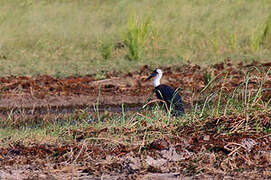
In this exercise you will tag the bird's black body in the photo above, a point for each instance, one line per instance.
(171, 97)
(166, 93)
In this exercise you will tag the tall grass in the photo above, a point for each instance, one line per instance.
(261, 38)
(136, 37)
(57, 37)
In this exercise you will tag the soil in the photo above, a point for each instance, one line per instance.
(189, 154)
(131, 89)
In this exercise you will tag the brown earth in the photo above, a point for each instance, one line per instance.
(190, 153)
(197, 151)
(129, 89)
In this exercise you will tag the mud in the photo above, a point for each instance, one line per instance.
(64, 105)
(38, 94)
(197, 151)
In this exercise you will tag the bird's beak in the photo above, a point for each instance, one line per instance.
(151, 76)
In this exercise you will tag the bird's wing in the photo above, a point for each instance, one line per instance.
(167, 94)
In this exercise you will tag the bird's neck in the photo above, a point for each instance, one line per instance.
(156, 80)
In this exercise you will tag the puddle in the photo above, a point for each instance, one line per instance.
(70, 109)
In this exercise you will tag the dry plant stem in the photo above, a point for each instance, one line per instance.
(220, 94)
(233, 143)
(33, 109)
(143, 142)
(144, 116)
(71, 155)
(212, 81)
(157, 100)
(83, 146)
(236, 127)
(110, 140)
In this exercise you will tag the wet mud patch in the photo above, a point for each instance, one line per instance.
(230, 143)
(46, 92)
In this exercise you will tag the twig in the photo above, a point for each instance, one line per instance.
(81, 149)
(143, 142)
(157, 100)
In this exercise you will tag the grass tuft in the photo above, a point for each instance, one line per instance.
(136, 37)
(106, 49)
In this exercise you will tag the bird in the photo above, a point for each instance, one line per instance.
(166, 93)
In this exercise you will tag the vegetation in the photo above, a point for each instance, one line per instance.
(226, 130)
(85, 37)
(226, 123)
(219, 135)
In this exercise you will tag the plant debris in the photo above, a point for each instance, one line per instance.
(227, 142)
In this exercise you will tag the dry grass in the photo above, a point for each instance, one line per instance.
(227, 135)
(226, 131)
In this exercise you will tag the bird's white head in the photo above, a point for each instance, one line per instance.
(157, 74)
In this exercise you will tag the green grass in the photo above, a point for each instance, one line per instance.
(153, 124)
(63, 38)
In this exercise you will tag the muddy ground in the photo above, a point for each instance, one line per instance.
(131, 89)
(244, 156)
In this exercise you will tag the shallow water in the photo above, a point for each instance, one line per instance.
(70, 109)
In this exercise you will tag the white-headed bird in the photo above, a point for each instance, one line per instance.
(166, 93)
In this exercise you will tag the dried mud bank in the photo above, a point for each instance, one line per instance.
(131, 89)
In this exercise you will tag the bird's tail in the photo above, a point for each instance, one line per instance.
(178, 110)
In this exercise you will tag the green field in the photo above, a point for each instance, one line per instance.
(68, 37)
